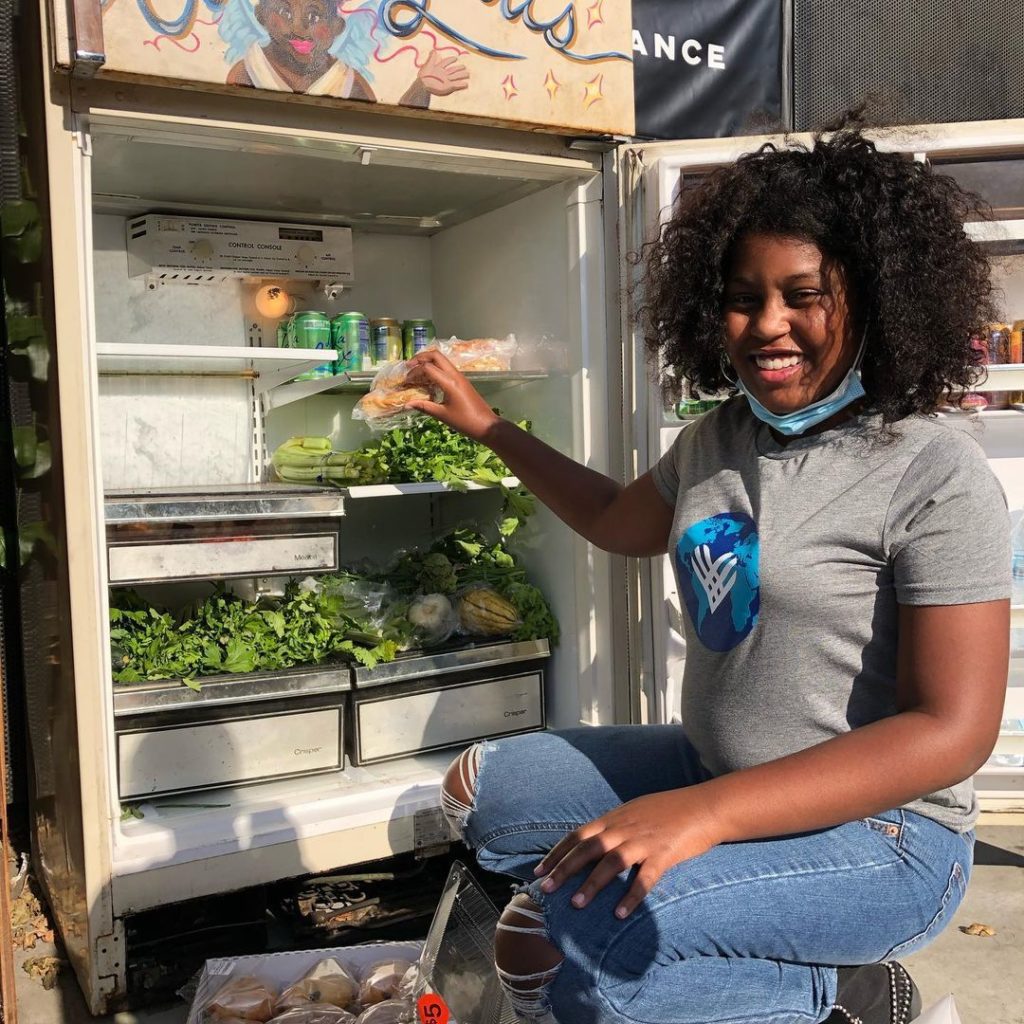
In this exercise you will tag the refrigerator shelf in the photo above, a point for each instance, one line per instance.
(357, 383)
(172, 694)
(395, 490)
(268, 367)
(421, 665)
(1002, 377)
(329, 677)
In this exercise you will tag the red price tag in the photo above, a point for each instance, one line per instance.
(433, 1010)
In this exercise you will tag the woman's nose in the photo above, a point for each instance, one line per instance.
(770, 320)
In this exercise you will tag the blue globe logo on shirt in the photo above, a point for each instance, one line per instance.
(717, 564)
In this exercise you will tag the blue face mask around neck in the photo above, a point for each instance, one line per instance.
(793, 424)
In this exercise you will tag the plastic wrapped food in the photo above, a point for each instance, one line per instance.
(327, 983)
(391, 1012)
(382, 981)
(242, 998)
(386, 405)
(315, 1015)
(433, 618)
(481, 355)
(484, 612)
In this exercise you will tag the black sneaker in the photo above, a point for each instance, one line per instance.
(875, 994)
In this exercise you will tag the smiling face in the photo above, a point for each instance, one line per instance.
(788, 328)
(301, 32)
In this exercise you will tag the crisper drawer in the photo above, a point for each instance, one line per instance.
(409, 718)
(209, 747)
(222, 557)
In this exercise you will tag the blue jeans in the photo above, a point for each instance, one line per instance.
(747, 932)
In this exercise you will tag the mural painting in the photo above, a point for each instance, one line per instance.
(542, 62)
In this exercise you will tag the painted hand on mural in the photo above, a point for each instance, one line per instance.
(441, 76)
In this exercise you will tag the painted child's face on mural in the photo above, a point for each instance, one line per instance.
(301, 31)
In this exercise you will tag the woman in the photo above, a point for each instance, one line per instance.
(844, 561)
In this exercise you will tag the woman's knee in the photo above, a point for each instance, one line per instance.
(526, 961)
(458, 788)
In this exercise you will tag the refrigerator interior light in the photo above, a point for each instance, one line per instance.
(273, 302)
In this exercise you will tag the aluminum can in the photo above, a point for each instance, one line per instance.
(282, 335)
(311, 329)
(386, 340)
(416, 336)
(350, 336)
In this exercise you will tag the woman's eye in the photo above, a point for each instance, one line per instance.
(740, 299)
(804, 297)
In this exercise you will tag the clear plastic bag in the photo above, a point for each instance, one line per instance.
(480, 355)
(386, 404)
(242, 998)
(328, 983)
(483, 612)
(315, 1015)
(382, 981)
(394, 1011)
(433, 618)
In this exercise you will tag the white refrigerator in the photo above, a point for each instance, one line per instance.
(163, 385)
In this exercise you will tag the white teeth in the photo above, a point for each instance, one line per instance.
(777, 362)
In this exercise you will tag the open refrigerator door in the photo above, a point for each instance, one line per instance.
(984, 158)
(226, 753)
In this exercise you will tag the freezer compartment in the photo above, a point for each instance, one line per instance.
(420, 665)
(203, 552)
(415, 717)
(208, 747)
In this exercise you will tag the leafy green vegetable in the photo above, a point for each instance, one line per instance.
(224, 633)
(464, 558)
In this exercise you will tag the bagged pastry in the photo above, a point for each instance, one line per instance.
(386, 404)
(242, 998)
(381, 981)
(315, 1015)
(391, 1012)
(480, 355)
(327, 983)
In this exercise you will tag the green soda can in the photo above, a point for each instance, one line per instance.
(416, 336)
(350, 336)
(386, 340)
(311, 329)
(282, 335)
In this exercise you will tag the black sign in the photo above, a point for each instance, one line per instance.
(707, 68)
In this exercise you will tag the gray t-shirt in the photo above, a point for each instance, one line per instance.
(791, 560)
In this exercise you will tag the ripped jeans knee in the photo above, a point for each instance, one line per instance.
(526, 961)
(459, 788)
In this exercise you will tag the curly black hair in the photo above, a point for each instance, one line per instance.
(915, 282)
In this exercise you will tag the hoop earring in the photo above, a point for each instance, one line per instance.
(727, 368)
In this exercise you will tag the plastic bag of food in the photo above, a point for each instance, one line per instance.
(386, 404)
(315, 1015)
(480, 355)
(394, 1011)
(433, 618)
(242, 998)
(382, 981)
(327, 983)
(483, 612)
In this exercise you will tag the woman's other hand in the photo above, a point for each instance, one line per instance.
(463, 407)
(652, 833)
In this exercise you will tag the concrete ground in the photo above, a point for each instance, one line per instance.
(985, 975)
